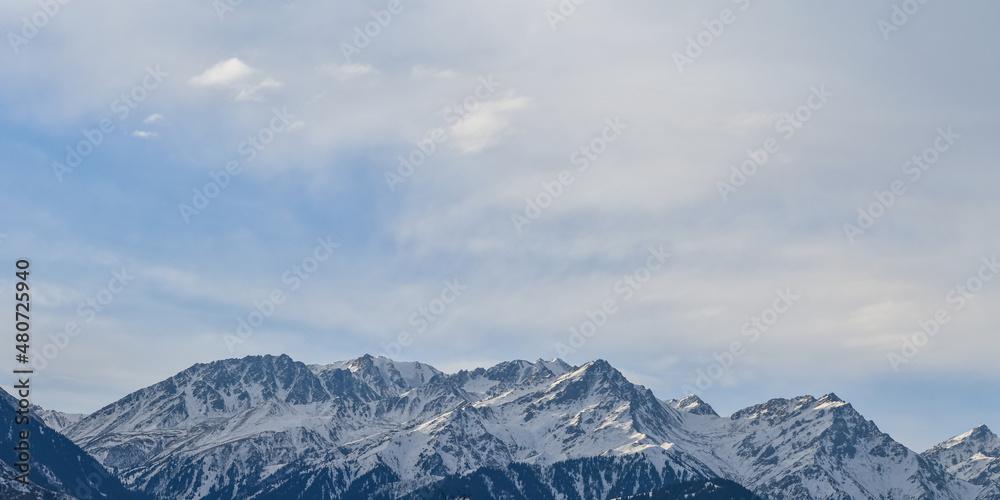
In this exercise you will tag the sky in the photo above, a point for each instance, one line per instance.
(740, 199)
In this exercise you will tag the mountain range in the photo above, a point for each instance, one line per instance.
(60, 470)
(270, 427)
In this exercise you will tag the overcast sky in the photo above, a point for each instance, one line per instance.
(381, 156)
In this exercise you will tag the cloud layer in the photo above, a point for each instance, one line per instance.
(739, 137)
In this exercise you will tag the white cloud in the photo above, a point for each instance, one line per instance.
(232, 74)
(657, 184)
(254, 93)
(144, 134)
(224, 73)
(486, 124)
(153, 118)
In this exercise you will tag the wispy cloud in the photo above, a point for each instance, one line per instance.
(224, 73)
(255, 92)
(486, 125)
(233, 74)
(349, 71)
(211, 141)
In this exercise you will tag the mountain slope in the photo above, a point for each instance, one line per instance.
(225, 424)
(974, 457)
(713, 489)
(12, 489)
(268, 427)
(574, 479)
(59, 468)
(522, 413)
(56, 420)
(808, 448)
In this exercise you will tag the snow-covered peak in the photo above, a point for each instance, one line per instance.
(963, 446)
(235, 421)
(402, 375)
(694, 405)
(777, 409)
(980, 437)
(520, 371)
(206, 393)
(414, 374)
(597, 375)
(831, 397)
(556, 366)
(973, 456)
(829, 401)
(57, 420)
(596, 369)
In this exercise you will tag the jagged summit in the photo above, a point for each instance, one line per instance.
(980, 438)
(779, 408)
(375, 428)
(556, 365)
(385, 373)
(973, 456)
(979, 432)
(831, 397)
(693, 404)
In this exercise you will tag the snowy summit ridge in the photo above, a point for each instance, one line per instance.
(372, 427)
